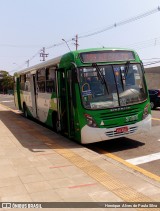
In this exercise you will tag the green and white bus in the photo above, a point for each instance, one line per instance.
(88, 95)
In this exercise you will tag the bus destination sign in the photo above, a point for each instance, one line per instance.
(106, 56)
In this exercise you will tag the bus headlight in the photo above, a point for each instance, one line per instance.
(146, 111)
(90, 121)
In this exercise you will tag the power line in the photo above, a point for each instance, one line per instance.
(148, 13)
(132, 19)
(135, 18)
(26, 62)
(151, 59)
(146, 43)
(19, 67)
(32, 57)
(156, 62)
(19, 46)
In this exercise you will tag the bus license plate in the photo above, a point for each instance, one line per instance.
(122, 130)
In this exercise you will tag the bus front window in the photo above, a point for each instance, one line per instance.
(121, 88)
(94, 93)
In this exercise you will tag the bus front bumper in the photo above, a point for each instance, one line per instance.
(91, 135)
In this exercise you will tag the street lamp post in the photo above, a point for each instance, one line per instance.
(66, 44)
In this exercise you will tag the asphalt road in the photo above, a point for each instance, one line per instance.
(8, 100)
(140, 150)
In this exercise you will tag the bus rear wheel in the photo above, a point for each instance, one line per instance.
(25, 113)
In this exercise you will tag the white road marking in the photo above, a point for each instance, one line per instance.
(158, 139)
(144, 159)
(6, 101)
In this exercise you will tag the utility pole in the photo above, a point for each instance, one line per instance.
(43, 54)
(76, 42)
(27, 62)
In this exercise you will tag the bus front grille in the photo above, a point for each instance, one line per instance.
(119, 114)
(116, 119)
(115, 134)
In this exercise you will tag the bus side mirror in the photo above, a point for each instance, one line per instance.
(142, 67)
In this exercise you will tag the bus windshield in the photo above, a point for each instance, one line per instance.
(124, 85)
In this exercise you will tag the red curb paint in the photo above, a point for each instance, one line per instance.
(83, 185)
(51, 167)
(45, 154)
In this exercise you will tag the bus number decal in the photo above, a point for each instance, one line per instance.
(132, 118)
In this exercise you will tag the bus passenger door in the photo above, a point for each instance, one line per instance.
(62, 101)
(71, 98)
(33, 95)
(17, 96)
(66, 105)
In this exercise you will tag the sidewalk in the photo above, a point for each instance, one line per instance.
(38, 165)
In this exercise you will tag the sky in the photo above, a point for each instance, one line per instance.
(28, 25)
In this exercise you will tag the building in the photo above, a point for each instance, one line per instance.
(153, 77)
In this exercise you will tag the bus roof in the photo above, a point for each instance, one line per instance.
(41, 65)
(56, 60)
(103, 49)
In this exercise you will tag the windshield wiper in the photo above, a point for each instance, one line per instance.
(121, 78)
(127, 68)
(101, 76)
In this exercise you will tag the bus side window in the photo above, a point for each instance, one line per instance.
(22, 82)
(27, 83)
(50, 79)
(41, 80)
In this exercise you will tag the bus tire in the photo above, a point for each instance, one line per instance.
(55, 121)
(25, 113)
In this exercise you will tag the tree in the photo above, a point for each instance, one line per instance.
(6, 81)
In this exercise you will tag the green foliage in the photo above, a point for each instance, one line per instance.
(6, 81)
(15, 74)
